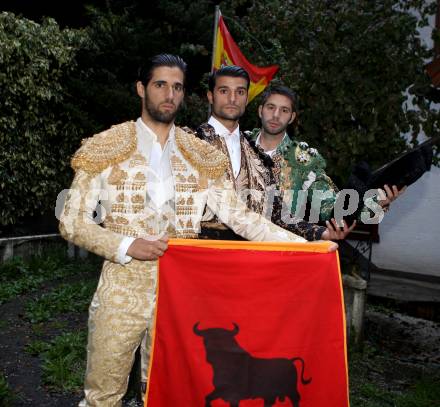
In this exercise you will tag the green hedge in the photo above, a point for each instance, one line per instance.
(36, 130)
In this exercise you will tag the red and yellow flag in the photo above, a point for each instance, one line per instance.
(227, 53)
(248, 324)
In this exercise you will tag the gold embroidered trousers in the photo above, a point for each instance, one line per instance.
(119, 314)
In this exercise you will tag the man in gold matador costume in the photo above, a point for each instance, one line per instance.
(150, 178)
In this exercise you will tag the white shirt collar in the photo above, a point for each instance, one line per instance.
(145, 128)
(160, 184)
(221, 130)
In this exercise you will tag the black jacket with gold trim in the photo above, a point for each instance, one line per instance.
(258, 174)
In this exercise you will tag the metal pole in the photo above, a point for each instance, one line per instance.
(214, 43)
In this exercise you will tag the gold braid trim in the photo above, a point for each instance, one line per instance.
(205, 158)
(107, 148)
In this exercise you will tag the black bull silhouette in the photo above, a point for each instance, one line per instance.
(240, 376)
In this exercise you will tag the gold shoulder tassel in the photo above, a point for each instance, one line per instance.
(205, 158)
(106, 149)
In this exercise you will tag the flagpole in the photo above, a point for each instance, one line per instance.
(214, 43)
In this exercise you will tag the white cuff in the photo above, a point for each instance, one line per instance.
(121, 255)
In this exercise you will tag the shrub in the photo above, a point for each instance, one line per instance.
(36, 131)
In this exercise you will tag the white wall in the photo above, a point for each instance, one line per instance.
(410, 232)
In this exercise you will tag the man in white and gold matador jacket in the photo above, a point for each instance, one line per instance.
(142, 192)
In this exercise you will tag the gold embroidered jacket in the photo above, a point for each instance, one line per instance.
(111, 171)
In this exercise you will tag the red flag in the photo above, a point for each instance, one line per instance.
(246, 326)
(227, 52)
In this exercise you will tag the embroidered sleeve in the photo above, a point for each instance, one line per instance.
(77, 224)
(323, 192)
(231, 211)
(294, 224)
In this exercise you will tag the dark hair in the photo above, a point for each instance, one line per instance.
(145, 72)
(280, 90)
(228, 70)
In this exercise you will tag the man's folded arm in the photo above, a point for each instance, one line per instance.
(224, 202)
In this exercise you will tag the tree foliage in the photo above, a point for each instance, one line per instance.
(124, 35)
(350, 61)
(35, 128)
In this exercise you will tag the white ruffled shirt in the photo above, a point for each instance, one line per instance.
(160, 184)
(232, 140)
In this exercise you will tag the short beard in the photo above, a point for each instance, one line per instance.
(156, 114)
(271, 132)
(226, 116)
